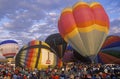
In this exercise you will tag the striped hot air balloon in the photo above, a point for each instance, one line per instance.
(110, 51)
(36, 54)
(9, 48)
(85, 27)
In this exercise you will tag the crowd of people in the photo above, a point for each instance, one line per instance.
(67, 71)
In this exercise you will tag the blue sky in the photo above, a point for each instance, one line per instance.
(26, 20)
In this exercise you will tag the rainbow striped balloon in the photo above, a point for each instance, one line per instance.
(85, 27)
(36, 54)
(110, 51)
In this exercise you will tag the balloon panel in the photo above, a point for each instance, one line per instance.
(108, 59)
(111, 49)
(111, 39)
(114, 44)
(8, 41)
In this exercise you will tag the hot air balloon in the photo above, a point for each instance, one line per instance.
(36, 54)
(85, 27)
(9, 48)
(110, 51)
(58, 44)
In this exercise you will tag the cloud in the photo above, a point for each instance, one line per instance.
(8, 7)
(115, 30)
(115, 26)
(29, 20)
(26, 20)
(113, 9)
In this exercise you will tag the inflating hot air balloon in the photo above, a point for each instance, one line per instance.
(58, 44)
(110, 51)
(85, 27)
(36, 54)
(9, 48)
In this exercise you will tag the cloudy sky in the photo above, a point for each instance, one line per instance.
(26, 20)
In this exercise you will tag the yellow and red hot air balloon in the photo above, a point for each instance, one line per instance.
(84, 27)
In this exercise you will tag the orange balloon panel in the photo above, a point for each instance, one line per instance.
(66, 24)
(83, 15)
(100, 15)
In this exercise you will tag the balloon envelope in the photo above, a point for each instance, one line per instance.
(84, 27)
(36, 54)
(9, 48)
(110, 51)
